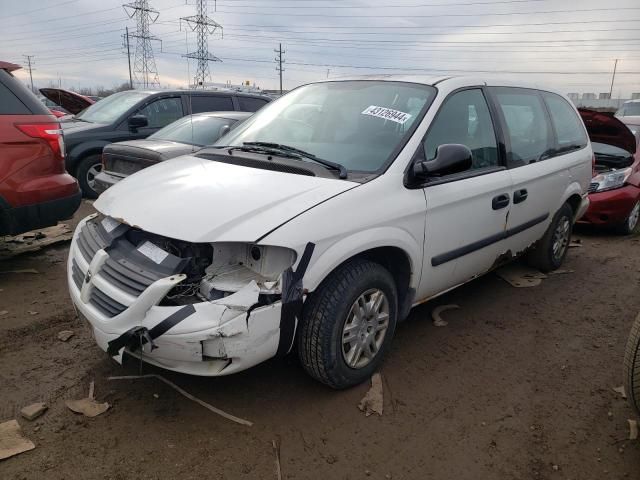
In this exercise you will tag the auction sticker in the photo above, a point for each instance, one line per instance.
(153, 252)
(387, 114)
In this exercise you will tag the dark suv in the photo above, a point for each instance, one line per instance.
(35, 189)
(136, 114)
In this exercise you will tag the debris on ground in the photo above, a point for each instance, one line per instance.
(276, 452)
(373, 401)
(437, 319)
(633, 429)
(32, 312)
(3, 312)
(35, 240)
(620, 390)
(560, 271)
(88, 406)
(12, 442)
(24, 270)
(209, 407)
(518, 275)
(33, 411)
(65, 335)
(575, 243)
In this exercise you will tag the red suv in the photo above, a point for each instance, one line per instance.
(35, 189)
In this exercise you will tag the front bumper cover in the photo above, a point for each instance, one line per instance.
(611, 207)
(216, 338)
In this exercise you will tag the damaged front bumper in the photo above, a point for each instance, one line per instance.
(212, 338)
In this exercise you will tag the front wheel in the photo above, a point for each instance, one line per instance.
(631, 366)
(548, 254)
(631, 222)
(348, 324)
(86, 173)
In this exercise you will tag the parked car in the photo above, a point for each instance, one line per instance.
(65, 101)
(185, 135)
(35, 189)
(322, 219)
(629, 112)
(136, 114)
(614, 192)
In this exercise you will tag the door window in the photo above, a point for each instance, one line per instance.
(162, 112)
(527, 127)
(211, 103)
(567, 124)
(464, 118)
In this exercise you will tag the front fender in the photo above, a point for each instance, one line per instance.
(348, 247)
(81, 150)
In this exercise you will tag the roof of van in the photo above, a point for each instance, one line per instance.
(207, 92)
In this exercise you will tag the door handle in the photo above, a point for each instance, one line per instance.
(520, 196)
(500, 201)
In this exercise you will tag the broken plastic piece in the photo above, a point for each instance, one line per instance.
(12, 442)
(33, 411)
(633, 429)
(373, 401)
(88, 406)
(621, 391)
(209, 407)
(437, 319)
(65, 335)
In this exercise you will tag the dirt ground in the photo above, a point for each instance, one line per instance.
(517, 386)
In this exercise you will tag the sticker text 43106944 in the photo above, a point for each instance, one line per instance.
(387, 114)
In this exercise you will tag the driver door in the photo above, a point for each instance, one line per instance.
(466, 212)
(160, 113)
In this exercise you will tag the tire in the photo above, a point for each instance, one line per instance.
(550, 251)
(631, 366)
(631, 222)
(85, 172)
(331, 309)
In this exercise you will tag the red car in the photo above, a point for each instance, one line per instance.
(614, 193)
(70, 102)
(35, 189)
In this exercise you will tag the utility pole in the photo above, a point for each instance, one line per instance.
(204, 26)
(144, 63)
(28, 58)
(279, 64)
(129, 59)
(615, 66)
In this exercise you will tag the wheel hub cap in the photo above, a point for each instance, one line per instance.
(365, 328)
(561, 238)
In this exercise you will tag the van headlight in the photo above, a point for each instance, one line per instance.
(234, 265)
(611, 180)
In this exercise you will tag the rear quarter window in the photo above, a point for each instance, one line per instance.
(248, 104)
(566, 123)
(10, 104)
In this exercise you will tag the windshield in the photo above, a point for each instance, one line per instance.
(354, 123)
(195, 130)
(111, 108)
(629, 110)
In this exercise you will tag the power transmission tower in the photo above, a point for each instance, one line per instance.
(29, 66)
(204, 26)
(144, 63)
(279, 63)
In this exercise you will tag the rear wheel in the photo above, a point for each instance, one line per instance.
(631, 222)
(632, 366)
(348, 324)
(86, 173)
(548, 254)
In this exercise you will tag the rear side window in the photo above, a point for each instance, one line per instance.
(567, 124)
(200, 104)
(248, 104)
(9, 103)
(526, 124)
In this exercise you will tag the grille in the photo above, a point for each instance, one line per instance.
(103, 302)
(90, 241)
(127, 276)
(76, 274)
(593, 187)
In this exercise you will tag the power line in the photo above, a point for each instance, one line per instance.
(420, 5)
(144, 65)
(203, 26)
(4, 17)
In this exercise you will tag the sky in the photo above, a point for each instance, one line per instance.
(567, 45)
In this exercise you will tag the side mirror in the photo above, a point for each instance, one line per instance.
(450, 158)
(137, 121)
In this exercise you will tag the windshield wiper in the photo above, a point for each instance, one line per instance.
(258, 149)
(300, 153)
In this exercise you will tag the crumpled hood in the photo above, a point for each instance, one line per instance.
(198, 200)
(71, 101)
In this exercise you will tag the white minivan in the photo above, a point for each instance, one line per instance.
(317, 224)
